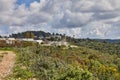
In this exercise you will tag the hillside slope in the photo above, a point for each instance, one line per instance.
(102, 46)
(61, 63)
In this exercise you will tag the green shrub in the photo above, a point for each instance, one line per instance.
(76, 74)
(21, 73)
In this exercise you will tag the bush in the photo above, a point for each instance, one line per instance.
(22, 73)
(76, 74)
(47, 68)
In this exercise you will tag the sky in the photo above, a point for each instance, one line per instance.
(82, 18)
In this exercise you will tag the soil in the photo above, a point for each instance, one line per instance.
(7, 63)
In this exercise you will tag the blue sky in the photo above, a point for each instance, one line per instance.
(82, 18)
(26, 2)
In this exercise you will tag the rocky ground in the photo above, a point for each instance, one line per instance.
(6, 63)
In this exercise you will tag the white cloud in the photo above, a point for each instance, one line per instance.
(83, 18)
(72, 19)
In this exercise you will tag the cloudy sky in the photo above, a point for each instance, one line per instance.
(82, 18)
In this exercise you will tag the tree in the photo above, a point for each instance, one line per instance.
(32, 35)
(29, 35)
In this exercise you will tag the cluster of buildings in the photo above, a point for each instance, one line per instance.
(40, 41)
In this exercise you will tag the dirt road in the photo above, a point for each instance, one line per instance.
(7, 63)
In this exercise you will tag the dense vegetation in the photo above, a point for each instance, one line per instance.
(64, 63)
(105, 46)
(16, 43)
(35, 33)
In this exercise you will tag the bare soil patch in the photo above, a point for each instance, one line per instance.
(6, 63)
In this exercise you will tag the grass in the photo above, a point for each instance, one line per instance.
(6, 49)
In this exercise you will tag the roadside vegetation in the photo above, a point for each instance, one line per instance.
(6, 49)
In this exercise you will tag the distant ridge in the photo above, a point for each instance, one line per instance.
(48, 34)
(109, 40)
(36, 34)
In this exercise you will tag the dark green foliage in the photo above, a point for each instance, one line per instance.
(36, 33)
(48, 68)
(100, 45)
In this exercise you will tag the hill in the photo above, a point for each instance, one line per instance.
(36, 33)
(105, 46)
(109, 40)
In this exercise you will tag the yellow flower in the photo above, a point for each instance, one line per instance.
(117, 75)
(114, 70)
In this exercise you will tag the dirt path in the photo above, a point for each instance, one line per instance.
(7, 63)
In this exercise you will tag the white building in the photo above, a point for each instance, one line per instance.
(31, 40)
(2, 38)
(26, 39)
(39, 41)
(59, 43)
(10, 40)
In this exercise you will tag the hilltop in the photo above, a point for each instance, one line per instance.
(38, 34)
